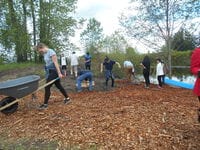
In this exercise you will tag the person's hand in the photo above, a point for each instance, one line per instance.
(60, 75)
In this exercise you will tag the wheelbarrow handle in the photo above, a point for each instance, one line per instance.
(45, 85)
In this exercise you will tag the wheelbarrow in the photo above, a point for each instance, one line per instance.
(18, 88)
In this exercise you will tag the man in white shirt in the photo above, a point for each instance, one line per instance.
(129, 69)
(74, 64)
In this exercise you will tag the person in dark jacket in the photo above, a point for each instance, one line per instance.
(195, 69)
(146, 70)
(88, 61)
(108, 65)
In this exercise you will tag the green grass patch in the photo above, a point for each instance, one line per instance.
(26, 144)
(11, 66)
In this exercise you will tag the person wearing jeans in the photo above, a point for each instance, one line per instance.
(84, 75)
(108, 64)
(195, 69)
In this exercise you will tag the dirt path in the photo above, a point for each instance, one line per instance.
(127, 117)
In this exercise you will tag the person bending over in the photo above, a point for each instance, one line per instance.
(129, 69)
(84, 75)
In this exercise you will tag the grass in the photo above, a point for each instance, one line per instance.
(11, 66)
(30, 144)
(26, 144)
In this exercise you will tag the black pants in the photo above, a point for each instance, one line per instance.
(53, 75)
(146, 77)
(163, 79)
(87, 66)
(160, 80)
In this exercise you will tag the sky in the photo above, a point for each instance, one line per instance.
(105, 11)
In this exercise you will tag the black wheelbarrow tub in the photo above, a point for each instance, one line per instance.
(20, 87)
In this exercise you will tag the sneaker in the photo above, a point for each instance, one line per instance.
(43, 106)
(159, 87)
(67, 100)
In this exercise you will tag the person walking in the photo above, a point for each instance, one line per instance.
(74, 64)
(195, 69)
(146, 70)
(88, 61)
(159, 72)
(84, 75)
(108, 65)
(53, 71)
(129, 69)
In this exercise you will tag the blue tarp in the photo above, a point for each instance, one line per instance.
(179, 83)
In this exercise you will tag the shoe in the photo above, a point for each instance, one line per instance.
(43, 106)
(198, 115)
(159, 87)
(67, 100)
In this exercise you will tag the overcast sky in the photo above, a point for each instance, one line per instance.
(105, 11)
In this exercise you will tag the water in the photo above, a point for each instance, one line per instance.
(185, 79)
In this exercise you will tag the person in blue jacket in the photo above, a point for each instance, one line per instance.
(88, 61)
(84, 75)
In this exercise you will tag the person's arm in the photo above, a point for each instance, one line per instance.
(101, 67)
(118, 64)
(195, 63)
(55, 61)
(142, 65)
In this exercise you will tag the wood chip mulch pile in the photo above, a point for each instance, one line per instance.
(128, 117)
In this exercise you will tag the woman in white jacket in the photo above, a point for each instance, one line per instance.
(159, 72)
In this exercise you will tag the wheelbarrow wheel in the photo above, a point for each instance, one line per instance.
(10, 109)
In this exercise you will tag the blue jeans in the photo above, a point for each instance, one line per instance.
(82, 77)
(108, 75)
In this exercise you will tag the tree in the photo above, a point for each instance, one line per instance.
(52, 23)
(114, 43)
(93, 34)
(183, 40)
(153, 22)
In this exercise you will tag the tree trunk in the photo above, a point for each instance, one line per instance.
(34, 29)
